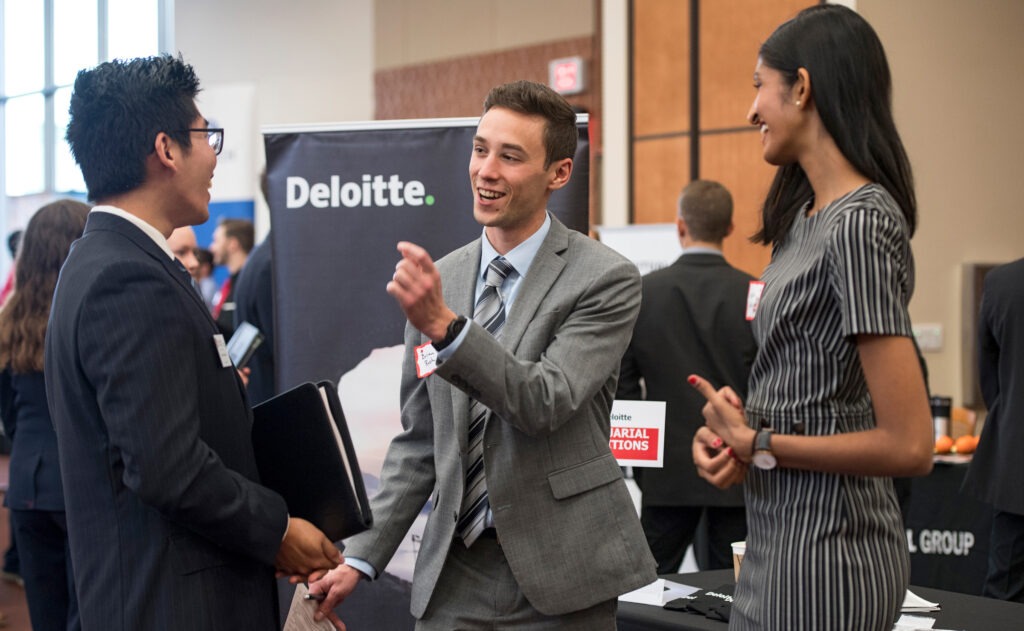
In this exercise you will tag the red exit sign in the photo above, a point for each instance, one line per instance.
(567, 75)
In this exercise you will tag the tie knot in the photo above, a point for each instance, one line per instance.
(497, 271)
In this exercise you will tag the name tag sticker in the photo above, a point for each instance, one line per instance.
(222, 350)
(754, 297)
(426, 360)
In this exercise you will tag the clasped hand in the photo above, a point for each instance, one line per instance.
(306, 553)
(722, 447)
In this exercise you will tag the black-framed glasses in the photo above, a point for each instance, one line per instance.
(214, 135)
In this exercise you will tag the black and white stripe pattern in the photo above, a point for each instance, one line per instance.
(825, 551)
(489, 313)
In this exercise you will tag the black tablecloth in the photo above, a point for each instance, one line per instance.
(959, 611)
(947, 532)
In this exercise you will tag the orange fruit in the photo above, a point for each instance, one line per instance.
(943, 444)
(965, 444)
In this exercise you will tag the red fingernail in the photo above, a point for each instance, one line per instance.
(692, 379)
(717, 443)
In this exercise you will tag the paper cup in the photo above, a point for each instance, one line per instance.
(738, 548)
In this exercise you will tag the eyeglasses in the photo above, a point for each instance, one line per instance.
(214, 135)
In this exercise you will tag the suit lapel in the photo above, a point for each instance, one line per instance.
(547, 266)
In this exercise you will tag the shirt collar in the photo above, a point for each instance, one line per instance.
(698, 249)
(519, 257)
(139, 223)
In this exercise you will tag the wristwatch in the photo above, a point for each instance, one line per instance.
(763, 458)
(452, 332)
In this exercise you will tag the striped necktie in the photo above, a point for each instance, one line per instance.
(490, 314)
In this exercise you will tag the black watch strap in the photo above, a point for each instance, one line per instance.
(454, 328)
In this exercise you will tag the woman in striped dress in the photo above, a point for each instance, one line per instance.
(837, 402)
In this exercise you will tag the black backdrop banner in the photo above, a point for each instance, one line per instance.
(341, 198)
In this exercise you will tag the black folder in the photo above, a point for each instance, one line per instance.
(305, 453)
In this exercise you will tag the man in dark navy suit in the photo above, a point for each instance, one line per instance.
(169, 527)
(997, 468)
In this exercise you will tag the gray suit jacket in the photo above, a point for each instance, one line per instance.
(561, 508)
(167, 525)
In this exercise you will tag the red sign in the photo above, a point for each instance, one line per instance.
(566, 75)
(634, 443)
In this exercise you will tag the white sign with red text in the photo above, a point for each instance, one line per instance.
(638, 433)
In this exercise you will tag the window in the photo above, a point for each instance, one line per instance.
(45, 44)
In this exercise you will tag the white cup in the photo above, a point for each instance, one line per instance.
(738, 549)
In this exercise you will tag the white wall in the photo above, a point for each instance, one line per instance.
(309, 61)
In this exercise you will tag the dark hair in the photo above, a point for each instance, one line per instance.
(204, 256)
(118, 108)
(44, 248)
(13, 239)
(239, 229)
(852, 91)
(537, 99)
(706, 207)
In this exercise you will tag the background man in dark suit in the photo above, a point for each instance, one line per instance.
(532, 525)
(692, 321)
(997, 468)
(169, 528)
(232, 242)
(254, 303)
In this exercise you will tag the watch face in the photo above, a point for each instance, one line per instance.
(764, 460)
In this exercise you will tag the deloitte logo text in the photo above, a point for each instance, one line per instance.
(373, 191)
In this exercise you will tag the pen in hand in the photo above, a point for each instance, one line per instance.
(316, 597)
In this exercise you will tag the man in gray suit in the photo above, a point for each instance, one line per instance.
(168, 525)
(507, 433)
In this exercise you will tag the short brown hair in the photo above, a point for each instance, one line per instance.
(240, 229)
(706, 207)
(537, 99)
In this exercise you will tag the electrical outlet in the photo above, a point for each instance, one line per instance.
(929, 337)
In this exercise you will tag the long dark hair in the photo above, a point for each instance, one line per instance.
(852, 91)
(44, 248)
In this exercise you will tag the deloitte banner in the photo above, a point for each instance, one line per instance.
(340, 199)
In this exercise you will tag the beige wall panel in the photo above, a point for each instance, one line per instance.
(731, 33)
(957, 98)
(660, 170)
(410, 32)
(734, 160)
(661, 72)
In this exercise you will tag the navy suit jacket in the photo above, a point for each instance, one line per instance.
(34, 481)
(168, 526)
(997, 469)
(254, 303)
(692, 321)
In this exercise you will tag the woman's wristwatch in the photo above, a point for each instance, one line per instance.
(762, 457)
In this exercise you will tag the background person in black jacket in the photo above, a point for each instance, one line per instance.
(692, 320)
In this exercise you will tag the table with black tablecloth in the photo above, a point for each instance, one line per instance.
(947, 532)
(959, 611)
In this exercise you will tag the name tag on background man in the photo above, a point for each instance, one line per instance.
(638, 433)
